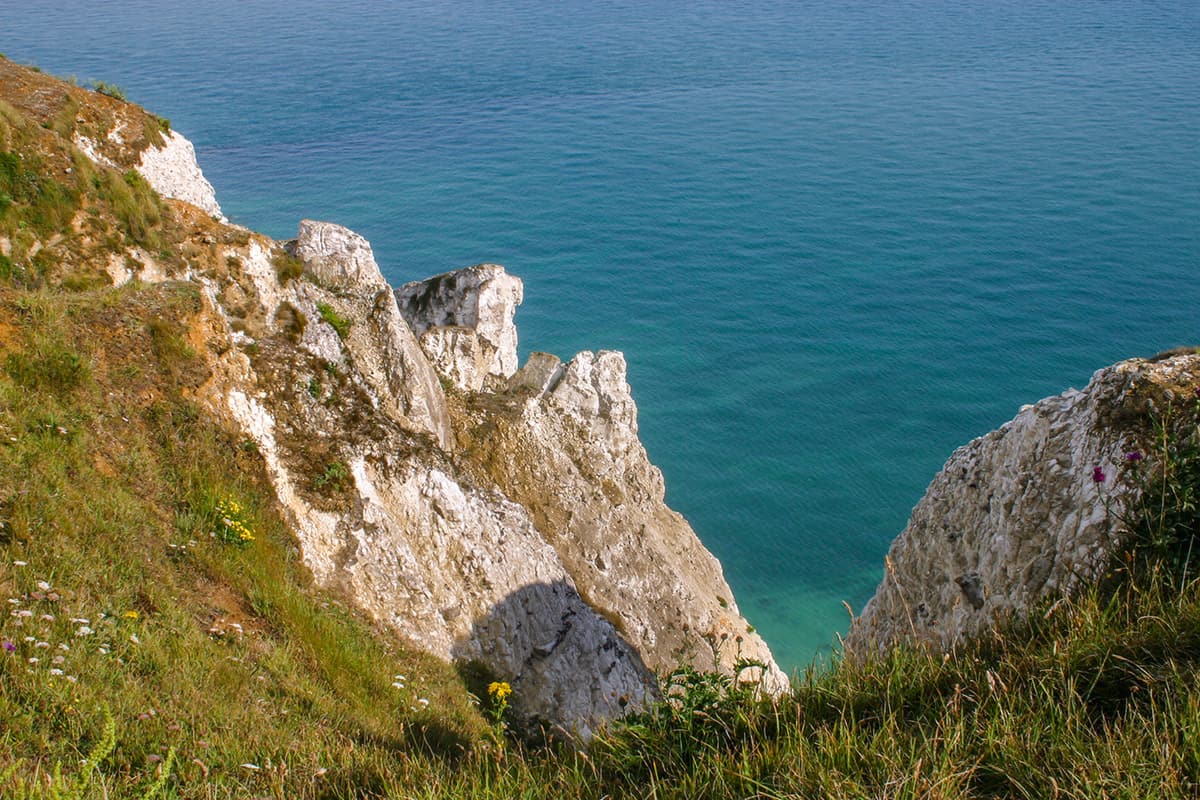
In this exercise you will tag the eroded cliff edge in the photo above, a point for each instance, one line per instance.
(1031, 511)
(484, 512)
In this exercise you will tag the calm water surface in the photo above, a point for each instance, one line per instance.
(834, 240)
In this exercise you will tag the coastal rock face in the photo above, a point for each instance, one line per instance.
(465, 323)
(458, 570)
(173, 172)
(1018, 515)
(382, 515)
(563, 443)
(337, 257)
(545, 553)
(347, 282)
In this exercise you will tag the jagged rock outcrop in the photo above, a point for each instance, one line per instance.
(564, 443)
(1022, 514)
(173, 172)
(464, 320)
(346, 280)
(573, 599)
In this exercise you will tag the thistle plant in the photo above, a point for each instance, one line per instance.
(1164, 517)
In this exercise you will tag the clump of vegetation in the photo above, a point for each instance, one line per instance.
(287, 267)
(333, 479)
(335, 320)
(108, 89)
(1165, 514)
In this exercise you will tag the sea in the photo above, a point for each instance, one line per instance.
(835, 240)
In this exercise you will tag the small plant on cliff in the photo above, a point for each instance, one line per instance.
(1164, 516)
(58, 786)
(288, 268)
(703, 712)
(498, 694)
(335, 320)
(232, 524)
(333, 478)
(108, 89)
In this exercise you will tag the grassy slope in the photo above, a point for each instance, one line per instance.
(110, 482)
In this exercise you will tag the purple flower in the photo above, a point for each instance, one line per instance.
(1098, 475)
(1134, 456)
(10, 647)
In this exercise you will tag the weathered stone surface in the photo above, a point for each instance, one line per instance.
(1016, 516)
(173, 172)
(464, 320)
(382, 346)
(337, 257)
(541, 373)
(553, 560)
(566, 447)
(460, 571)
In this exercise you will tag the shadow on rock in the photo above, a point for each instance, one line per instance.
(569, 668)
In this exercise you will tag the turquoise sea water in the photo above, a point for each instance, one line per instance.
(834, 241)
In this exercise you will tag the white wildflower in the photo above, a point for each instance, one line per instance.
(20, 564)
(56, 672)
(43, 585)
(42, 645)
(84, 631)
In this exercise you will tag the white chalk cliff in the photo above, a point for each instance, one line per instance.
(1022, 514)
(484, 512)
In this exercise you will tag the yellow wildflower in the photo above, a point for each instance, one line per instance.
(131, 615)
(499, 690)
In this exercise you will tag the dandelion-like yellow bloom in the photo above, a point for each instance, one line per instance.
(500, 690)
(131, 615)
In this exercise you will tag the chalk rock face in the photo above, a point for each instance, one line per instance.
(1017, 515)
(347, 281)
(337, 257)
(523, 527)
(566, 447)
(173, 172)
(460, 571)
(380, 510)
(464, 320)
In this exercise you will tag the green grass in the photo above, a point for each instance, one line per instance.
(335, 320)
(109, 89)
(110, 489)
(52, 193)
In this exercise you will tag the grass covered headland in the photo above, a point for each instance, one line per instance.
(160, 636)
